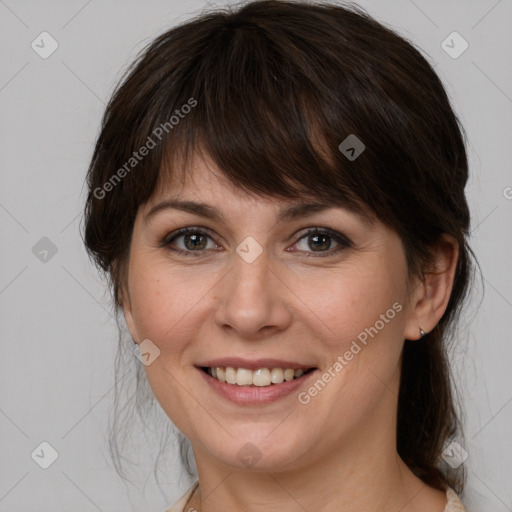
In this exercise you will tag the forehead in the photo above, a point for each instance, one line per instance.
(196, 178)
(199, 180)
(202, 189)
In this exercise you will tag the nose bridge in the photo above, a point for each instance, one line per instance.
(252, 296)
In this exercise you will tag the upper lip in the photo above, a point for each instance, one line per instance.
(253, 364)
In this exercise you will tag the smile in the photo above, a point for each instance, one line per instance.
(261, 377)
(267, 381)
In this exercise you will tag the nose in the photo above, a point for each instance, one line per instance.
(253, 299)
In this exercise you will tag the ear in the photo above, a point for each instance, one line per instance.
(128, 317)
(430, 297)
(125, 302)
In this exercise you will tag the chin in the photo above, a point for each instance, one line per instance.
(257, 450)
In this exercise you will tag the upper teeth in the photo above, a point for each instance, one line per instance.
(259, 377)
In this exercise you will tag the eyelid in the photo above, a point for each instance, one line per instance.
(167, 239)
(170, 237)
(337, 235)
(341, 239)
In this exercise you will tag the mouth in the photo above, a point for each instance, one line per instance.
(260, 377)
(255, 383)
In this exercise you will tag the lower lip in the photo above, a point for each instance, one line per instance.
(255, 395)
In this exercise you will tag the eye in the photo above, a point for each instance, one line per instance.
(193, 242)
(320, 241)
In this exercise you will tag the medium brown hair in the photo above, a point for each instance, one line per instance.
(277, 86)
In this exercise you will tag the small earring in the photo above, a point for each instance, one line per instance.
(422, 333)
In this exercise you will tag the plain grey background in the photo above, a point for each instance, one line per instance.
(58, 337)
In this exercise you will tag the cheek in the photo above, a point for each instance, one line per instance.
(155, 299)
(165, 299)
(362, 314)
(364, 311)
(148, 303)
(346, 303)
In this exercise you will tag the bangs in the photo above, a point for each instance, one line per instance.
(258, 120)
(269, 97)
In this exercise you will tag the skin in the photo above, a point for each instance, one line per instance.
(338, 452)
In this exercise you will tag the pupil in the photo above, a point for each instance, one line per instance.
(319, 241)
(194, 238)
(325, 245)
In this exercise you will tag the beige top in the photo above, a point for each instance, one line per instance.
(453, 505)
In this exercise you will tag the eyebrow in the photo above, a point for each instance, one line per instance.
(207, 211)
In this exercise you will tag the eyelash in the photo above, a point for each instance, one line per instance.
(338, 237)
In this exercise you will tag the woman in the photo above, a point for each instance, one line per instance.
(277, 196)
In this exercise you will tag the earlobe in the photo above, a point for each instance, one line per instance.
(432, 295)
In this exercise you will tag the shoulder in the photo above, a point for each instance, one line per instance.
(454, 504)
(180, 504)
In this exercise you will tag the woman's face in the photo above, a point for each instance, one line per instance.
(253, 290)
